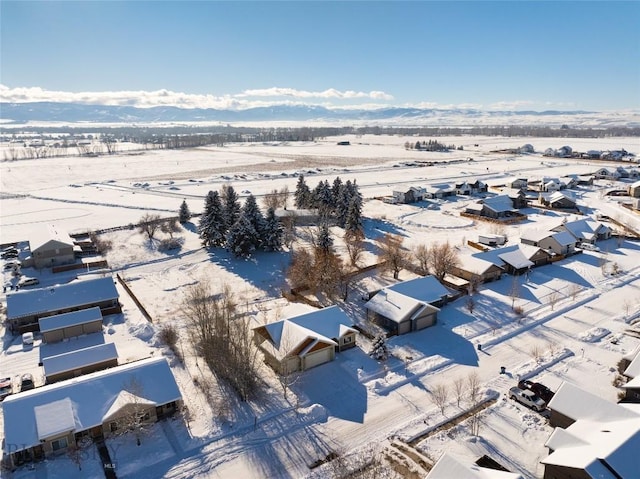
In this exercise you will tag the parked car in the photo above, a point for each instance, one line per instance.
(13, 254)
(11, 265)
(27, 338)
(26, 382)
(5, 388)
(588, 247)
(27, 281)
(539, 389)
(528, 398)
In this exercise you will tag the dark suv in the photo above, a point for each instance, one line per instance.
(26, 382)
(540, 390)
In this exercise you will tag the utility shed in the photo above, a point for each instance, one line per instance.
(69, 325)
(79, 362)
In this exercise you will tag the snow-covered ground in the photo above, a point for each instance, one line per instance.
(354, 402)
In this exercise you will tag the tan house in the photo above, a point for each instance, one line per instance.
(51, 419)
(307, 340)
(51, 247)
(634, 189)
(477, 270)
(585, 230)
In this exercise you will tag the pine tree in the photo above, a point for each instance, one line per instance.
(241, 238)
(342, 205)
(252, 212)
(302, 196)
(324, 241)
(379, 349)
(353, 223)
(212, 228)
(335, 189)
(184, 214)
(322, 200)
(273, 232)
(231, 206)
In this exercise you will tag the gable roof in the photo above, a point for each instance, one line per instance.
(576, 403)
(90, 396)
(71, 295)
(426, 289)
(633, 370)
(535, 235)
(54, 418)
(495, 256)
(516, 259)
(50, 234)
(331, 322)
(451, 466)
(499, 204)
(65, 320)
(79, 358)
(583, 229)
(477, 266)
(395, 306)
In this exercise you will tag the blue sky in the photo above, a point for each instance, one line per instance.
(521, 55)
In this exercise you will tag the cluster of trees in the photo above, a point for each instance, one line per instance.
(150, 224)
(222, 337)
(242, 230)
(340, 202)
(431, 145)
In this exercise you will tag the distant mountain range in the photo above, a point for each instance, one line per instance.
(74, 112)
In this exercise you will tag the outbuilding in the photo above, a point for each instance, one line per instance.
(69, 325)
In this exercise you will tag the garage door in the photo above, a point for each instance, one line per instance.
(404, 327)
(318, 357)
(424, 321)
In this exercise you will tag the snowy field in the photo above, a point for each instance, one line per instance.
(353, 405)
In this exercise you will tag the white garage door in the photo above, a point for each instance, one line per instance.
(404, 327)
(318, 357)
(424, 322)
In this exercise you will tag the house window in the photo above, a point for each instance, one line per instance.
(59, 444)
(348, 339)
(113, 427)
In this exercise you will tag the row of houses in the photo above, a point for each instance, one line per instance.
(87, 392)
(438, 191)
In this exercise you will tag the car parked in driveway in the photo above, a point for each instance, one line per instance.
(528, 398)
(26, 382)
(5, 388)
(26, 281)
(539, 389)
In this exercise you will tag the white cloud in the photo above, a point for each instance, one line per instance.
(511, 105)
(144, 99)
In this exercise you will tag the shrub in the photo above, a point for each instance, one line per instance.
(169, 244)
(169, 335)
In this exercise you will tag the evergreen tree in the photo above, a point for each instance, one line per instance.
(241, 238)
(212, 226)
(322, 200)
(342, 205)
(231, 206)
(379, 349)
(302, 196)
(273, 232)
(324, 241)
(353, 223)
(184, 214)
(335, 189)
(252, 212)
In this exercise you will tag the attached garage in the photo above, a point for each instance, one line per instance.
(70, 325)
(425, 317)
(82, 361)
(321, 353)
(404, 327)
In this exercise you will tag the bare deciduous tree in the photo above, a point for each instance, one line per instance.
(135, 416)
(442, 258)
(553, 299)
(474, 398)
(440, 395)
(149, 225)
(354, 242)
(272, 200)
(459, 389)
(421, 256)
(514, 292)
(470, 304)
(392, 253)
(170, 226)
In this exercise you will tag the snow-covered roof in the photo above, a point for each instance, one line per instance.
(79, 358)
(55, 298)
(559, 196)
(516, 259)
(499, 204)
(564, 238)
(602, 448)
(475, 265)
(65, 320)
(635, 184)
(439, 188)
(287, 337)
(584, 229)
(125, 397)
(427, 289)
(331, 322)
(91, 396)
(576, 403)
(495, 256)
(535, 235)
(395, 306)
(51, 233)
(633, 370)
(451, 466)
(54, 418)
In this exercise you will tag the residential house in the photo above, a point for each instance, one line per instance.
(408, 306)
(585, 180)
(77, 362)
(450, 466)
(25, 308)
(551, 185)
(497, 207)
(585, 230)
(518, 183)
(307, 340)
(70, 325)
(516, 258)
(515, 262)
(439, 191)
(297, 217)
(634, 189)
(559, 200)
(53, 418)
(593, 438)
(412, 195)
(607, 173)
(477, 270)
(51, 246)
(492, 239)
(632, 373)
